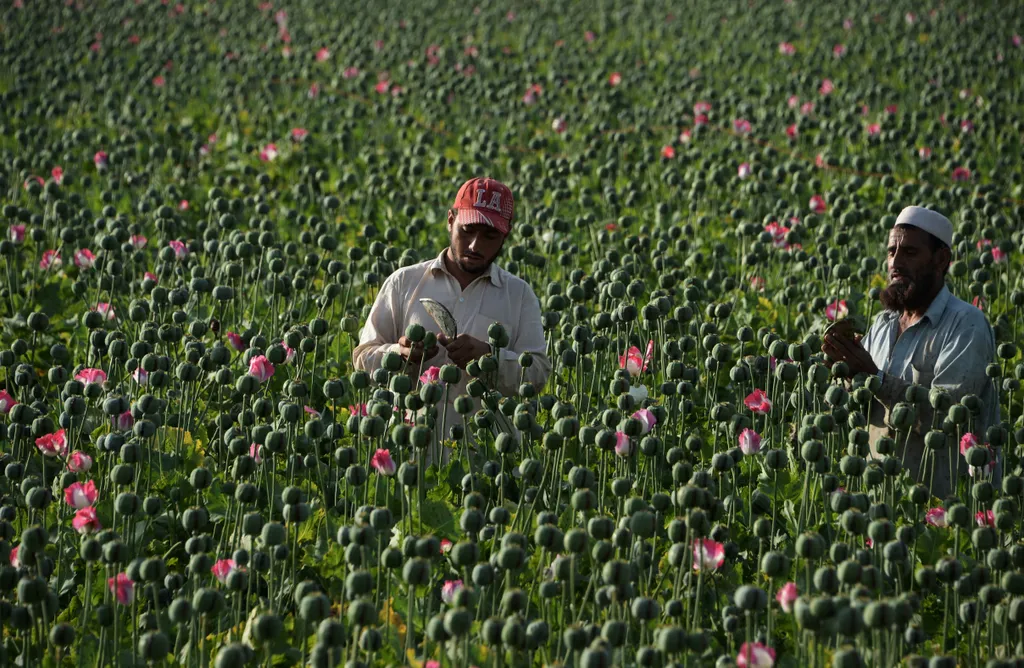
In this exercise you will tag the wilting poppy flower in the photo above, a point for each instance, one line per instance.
(786, 596)
(123, 588)
(382, 463)
(758, 402)
(623, 446)
(936, 517)
(744, 170)
(924, 153)
(792, 131)
(86, 521)
(180, 249)
(817, 204)
(431, 375)
(985, 518)
(16, 233)
(749, 442)
(741, 125)
(707, 554)
(786, 49)
(647, 419)
(961, 174)
(100, 160)
(836, 309)
(778, 233)
(755, 655)
(839, 50)
(299, 134)
(449, 589)
(558, 125)
(106, 310)
(268, 153)
(222, 569)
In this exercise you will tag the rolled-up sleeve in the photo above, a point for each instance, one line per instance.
(380, 333)
(529, 338)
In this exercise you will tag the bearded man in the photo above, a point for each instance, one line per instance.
(929, 337)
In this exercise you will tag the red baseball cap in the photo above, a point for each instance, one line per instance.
(485, 201)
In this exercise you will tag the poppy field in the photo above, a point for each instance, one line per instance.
(200, 200)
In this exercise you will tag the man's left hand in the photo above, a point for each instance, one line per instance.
(463, 349)
(844, 349)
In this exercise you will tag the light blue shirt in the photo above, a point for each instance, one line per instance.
(949, 349)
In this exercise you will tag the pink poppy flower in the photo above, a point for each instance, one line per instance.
(268, 153)
(180, 249)
(793, 101)
(614, 79)
(236, 341)
(53, 445)
(79, 462)
(633, 362)
(151, 276)
(311, 411)
(382, 463)
(701, 107)
(966, 127)
(668, 152)
(786, 595)
(382, 86)
(819, 161)
(350, 73)
(589, 36)
(359, 410)
(106, 310)
(261, 367)
(744, 170)
(322, 54)
(707, 554)
(985, 518)
(807, 108)
(647, 419)
(81, 495)
(15, 562)
(100, 159)
(910, 18)
(758, 402)
(431, 375)
(141, 377)
(7, 402)
(685, 136)
(778, 233)
(123, 588)
(786, 49)
(755, 655)
(183, 205)
(817, 204)
(28, 182)
(891, 109)
(125, 421)
(256, 453)
(58, 175)
(222, 569)
(757, 283)
(924, 153)
(299, 134)
(91, 375)
(749, 442)
(449, 589)
(998, 256)
(314, 91)
(84, 258)
(138, 241)
(51, 258)
(1016, 41)
(741, 126)
(16, 233)
(936, 517)
(558, 125)
(847, 24)
(836, 309)
(792, 131)
(623, 446)
(873, 129)
(979, 303)
(446, 546)
(86, 521)
(159, 81)
(826, 87)
(839, 50)
(289, 354)
(961, 174)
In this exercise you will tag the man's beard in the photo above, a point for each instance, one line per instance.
(909, 294)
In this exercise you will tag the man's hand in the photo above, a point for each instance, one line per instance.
(845, 349)
(414, 351)
(463, 349)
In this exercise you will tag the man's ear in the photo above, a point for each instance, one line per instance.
(451, 218)
(945, 258)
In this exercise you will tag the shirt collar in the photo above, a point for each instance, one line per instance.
(493, 272)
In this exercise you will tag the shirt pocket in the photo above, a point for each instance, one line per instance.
(489, 314)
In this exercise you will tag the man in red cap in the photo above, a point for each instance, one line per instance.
(465, 279)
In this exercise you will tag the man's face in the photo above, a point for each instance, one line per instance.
(914, 269)
(473, 247)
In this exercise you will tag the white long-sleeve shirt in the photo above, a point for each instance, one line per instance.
(494, 296)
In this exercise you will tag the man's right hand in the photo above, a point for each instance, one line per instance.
(414, 351)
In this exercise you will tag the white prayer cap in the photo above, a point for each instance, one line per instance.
(932, 222)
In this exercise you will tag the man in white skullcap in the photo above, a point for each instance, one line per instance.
(929, 337)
